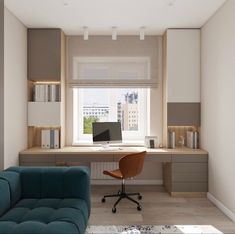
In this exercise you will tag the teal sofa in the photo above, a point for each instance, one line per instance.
(41, 200)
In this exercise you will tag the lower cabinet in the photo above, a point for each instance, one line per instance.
(186, 174)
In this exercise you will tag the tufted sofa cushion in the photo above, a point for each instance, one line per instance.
(43, 213)
(44, 200)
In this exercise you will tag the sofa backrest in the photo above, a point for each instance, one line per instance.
(54, 182)
(10, 190)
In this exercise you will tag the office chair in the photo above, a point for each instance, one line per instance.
(129, 166)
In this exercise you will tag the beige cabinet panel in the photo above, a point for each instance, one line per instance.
(44, 54)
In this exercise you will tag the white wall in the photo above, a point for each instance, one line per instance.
(1, 84)
(218, 102)
(15, 88)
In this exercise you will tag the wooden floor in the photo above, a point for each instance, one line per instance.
(158, 208)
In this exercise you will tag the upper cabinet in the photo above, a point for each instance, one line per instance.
(183, 65)
(44, 54)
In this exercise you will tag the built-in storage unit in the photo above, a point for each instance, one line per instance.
(181, 80)
(186, 173)
(46, 84)
(184, 170)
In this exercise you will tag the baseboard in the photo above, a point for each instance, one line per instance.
(221, 206)
(128, 182)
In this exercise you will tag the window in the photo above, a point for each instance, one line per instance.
(110, 104)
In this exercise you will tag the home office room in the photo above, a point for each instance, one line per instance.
(111, 116)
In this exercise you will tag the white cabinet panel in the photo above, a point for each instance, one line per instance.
(183, 65)
(44, 114)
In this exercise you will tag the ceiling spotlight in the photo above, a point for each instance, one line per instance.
(85, 33)
(170, 2)
(114, 33)
(142, 33)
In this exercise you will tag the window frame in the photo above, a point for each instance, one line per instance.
(129, 137)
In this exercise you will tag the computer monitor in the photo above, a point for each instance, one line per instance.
(106, 132)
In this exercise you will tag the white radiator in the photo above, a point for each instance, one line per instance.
(97, 169)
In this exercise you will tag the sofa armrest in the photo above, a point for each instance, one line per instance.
(77, 183)
(10, 189)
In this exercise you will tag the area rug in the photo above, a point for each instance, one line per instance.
(151, 229)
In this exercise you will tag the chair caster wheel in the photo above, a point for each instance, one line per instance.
(114, 210)
(139, 208)
(139, 197)
(103, 200)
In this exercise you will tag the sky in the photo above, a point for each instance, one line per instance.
(102, 95)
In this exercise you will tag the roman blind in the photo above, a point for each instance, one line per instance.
(102, 62)
(112, 72)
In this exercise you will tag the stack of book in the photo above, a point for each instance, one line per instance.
(192, 139)
(46, 93)
(50, 139)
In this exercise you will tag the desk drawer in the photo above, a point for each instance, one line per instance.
(189, 167)
(37, 158)
(190, 158)
(84, 158)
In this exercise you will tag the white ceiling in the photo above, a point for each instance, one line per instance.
(127, 15)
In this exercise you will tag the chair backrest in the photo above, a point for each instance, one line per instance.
(131, 165)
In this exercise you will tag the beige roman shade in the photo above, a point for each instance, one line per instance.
(101, 62)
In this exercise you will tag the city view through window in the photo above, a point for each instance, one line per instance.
(129, 106)
(104, 105)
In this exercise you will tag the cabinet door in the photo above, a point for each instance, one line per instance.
(44, 54)
(183, 114)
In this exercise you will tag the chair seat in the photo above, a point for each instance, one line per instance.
(115, 174)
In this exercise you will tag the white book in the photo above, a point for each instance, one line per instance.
(56, 139)
(47, 141)
(43, 138)
(37, 93)
(41, 93)
(57, 87)
(190, 140)
(46, 93)
(52, 93)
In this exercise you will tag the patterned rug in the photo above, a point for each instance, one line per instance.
(150, 229)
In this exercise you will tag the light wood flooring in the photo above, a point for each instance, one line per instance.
(158, 208)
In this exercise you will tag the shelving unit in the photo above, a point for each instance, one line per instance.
(181, 82)
(46, 66)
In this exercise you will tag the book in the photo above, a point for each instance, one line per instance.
(190, 140)
(56, 139)
(52, 92)
(52, 138)
(43, 138)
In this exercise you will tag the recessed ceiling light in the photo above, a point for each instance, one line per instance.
(170, 2)
(85, 33)
(65, 3)
(142, 33)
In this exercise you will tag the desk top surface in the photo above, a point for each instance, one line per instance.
(112, 150)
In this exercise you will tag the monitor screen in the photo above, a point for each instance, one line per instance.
(105, 132)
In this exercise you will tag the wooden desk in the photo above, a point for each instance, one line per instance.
(184, 170)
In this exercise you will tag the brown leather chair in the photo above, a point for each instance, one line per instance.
(129, 166)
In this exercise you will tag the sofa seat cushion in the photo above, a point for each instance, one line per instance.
(44, 214)
(34, 227)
